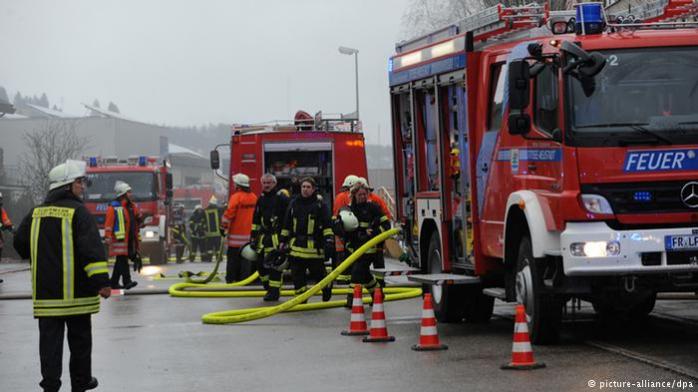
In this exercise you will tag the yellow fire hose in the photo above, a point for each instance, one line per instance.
(294, 304)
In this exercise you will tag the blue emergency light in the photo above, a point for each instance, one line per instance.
(142, 160)
(589, 19)
(93, 161)
(642, 196)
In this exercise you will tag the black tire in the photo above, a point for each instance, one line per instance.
(448, 299)
(544, 311)
(638, 310)
(478, 307)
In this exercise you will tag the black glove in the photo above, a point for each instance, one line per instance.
(329, 249)
(137, 263)
(338, 227)
(222, 231)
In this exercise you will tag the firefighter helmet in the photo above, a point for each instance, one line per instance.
(121, 188)
(349, 221)
(276, 260)
(241, 180)
(248, 253)
(66, 173)
(349, 180)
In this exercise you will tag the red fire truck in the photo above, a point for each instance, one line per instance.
(326, 149)
(544, 156)
(151, 183)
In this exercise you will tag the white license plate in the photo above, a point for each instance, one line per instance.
(681, 242)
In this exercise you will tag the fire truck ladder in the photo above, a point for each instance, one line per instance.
(495, 22)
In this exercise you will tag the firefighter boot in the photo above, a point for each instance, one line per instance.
(350, 301)
(272, 295)
(90, 385)
(327, 293)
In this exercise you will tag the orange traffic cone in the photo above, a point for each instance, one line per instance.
(379, 332)
(428, 336)
(522, 353)
(357, 324)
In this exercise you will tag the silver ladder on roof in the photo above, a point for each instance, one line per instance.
(494, 20)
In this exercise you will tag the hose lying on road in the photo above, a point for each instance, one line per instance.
(294, 304)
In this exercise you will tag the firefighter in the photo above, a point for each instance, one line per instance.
(379, 260)
(5, 225)
(57, 236)
(371, 221)
(237, 223)
(307, 235)
(121, 233)
(266, 227)
(341, 200)
(211, 229)
(197, 232)
(179, 232)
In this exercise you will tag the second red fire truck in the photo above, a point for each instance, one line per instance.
(541, 157)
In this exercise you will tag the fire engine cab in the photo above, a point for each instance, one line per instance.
(546, 156)
(151, 184)
(326, 149)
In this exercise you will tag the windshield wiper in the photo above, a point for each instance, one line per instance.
(657, 137)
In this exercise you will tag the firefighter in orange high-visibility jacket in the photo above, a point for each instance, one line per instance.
(237, 223)
(69, 271)
(121, 233)
(5, 225)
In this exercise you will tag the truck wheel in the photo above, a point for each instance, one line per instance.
(644, 307)
(478, 306)
(448, 305)
(543, 311)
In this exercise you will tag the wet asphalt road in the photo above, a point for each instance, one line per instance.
(158, 343)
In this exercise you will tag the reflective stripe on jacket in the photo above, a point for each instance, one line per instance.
(117, 226)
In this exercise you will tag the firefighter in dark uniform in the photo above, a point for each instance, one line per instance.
(308, 237)
(69, 272)
(266, 227)
(197, 230)
(179, 232)
(212, 223)
(371, 222)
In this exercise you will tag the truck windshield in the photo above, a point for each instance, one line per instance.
(642, 96)
(143, 186)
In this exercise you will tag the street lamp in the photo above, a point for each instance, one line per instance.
(355, 52)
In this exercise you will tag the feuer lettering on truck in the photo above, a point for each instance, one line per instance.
(660, 160)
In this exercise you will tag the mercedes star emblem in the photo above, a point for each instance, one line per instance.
(689, 194)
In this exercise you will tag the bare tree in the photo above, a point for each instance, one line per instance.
(47, 147)
(424, 16)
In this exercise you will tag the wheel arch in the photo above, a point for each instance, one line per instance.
(429, 227)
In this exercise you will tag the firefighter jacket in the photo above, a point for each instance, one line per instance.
(5, 224)
(212, 223)
(343, 199)
(306, 227)
(372, 222)
(267, 220)
(197, 224)
(237, 219)
(121, 227)
(373, 198)
(61, 239)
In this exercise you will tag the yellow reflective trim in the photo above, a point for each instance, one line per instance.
(285, 233)
(383, 218)
(68, 258)
(275, 240)
(94, 265)
(295, 223)
(33, 247)
(66, 312)
(310, 244)
(363, 224)
(274, 283)
(53, 212)
(62, 303)
(255, 227)
(120, 232)
(327, 232)
(311, 226)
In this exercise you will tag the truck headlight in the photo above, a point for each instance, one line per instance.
(595, 249)
(597, 204)
(150, 234)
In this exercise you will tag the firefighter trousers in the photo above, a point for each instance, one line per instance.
(299, 266)
(121, 270)
(237, 268)
(197, 243)
(270, 278)
(51, 336)
(361, 271)
(213, 248)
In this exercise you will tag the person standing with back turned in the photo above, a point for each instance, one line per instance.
(237, 222)
(69, 270)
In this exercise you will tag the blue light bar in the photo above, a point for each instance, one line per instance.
(589, 18)
(642, 196)
(142, 160)
(93, 161)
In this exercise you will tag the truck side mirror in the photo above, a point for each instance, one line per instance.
(519, 123)
(168, 182)
(519, 85)
(215, 160)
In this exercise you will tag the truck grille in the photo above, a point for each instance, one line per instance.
(632, 198)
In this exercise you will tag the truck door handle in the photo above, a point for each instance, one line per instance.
(484, 168)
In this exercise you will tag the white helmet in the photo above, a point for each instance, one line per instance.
(213, 201)
(121, 188)
(248, 253)
(241, 180)
(66, 173)
(198, 207)
(350, 180)
(349, 221)
(363, 181)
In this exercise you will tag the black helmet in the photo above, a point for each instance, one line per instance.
(275, 260)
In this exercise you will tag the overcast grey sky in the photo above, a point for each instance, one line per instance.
(195, 62)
